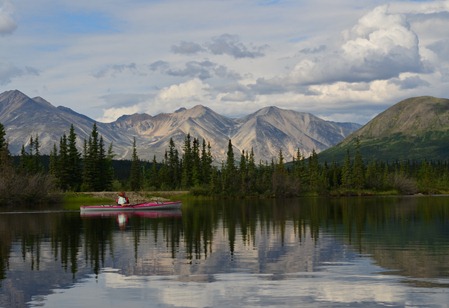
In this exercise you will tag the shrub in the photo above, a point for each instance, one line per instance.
(26, 189)
(404, 184)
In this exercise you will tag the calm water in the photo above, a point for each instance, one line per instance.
(365, 252)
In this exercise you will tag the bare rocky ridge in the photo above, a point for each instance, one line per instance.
(266, 131)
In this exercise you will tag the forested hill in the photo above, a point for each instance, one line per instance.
(413, 129)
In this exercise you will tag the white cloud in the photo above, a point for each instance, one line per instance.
(112, 114)
(192, 89)
(187, 48)
(323, 57)
(380, 46)
(230, 45)
(8, 72)
(7, 22)
(113, 70)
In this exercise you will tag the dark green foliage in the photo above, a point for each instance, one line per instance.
(25, 183)
(206, 162)
(73, 162)
(358, 176)
(3, 144)
(154, 182)
(4, 152)
(431, 145)
(230, 181)
(187, 164)
(97, 164)
(30, 159)
(173, 166)
(197, 176)
(135, 178)
(62, 169)
(355, 174)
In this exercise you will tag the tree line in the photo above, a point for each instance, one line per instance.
(193, 169)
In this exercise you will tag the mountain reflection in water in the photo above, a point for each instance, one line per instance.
(314, 251)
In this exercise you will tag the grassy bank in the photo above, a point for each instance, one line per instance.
(73, 201)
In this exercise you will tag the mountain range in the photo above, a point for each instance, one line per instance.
(266, 132)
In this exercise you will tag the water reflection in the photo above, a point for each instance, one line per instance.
(331, 250)
(122, 218)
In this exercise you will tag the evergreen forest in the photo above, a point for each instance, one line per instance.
(32, 176)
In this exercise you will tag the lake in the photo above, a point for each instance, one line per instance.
(307, 252)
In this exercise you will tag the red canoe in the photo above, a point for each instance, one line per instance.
(146, 206)
(177, 213)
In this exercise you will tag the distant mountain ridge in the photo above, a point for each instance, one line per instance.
(266, 131)
(414, 129)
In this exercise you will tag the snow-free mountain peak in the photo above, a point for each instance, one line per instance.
(266, 131)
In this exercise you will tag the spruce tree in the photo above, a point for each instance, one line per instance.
(91, 163)
(135, 178)
(252, 173)
(187, 164)
(63, 172)
(23, 159)
(53, 164)
(73, 161)
(279, 175)
(243, 170)
(153, 176)
(314, 172)
(206, 162)
(229, 173)
(299, 170)
(4, 152)
(172, 161)
(106, 171)
(196, 164)
(346, 172)
(30, 162)
(3, 144)
(37, 163)
(358, 169)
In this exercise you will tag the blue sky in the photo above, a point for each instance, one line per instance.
(342, 60)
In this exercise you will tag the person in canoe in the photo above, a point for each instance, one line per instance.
(122, 199)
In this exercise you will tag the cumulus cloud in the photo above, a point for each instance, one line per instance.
(382, 45)
(9, 72)
(379, 47)
(311, 64)
(441, 48)
(159, 66)
(7, 22)
(235, 96)
(123, 99)
(225, 44)
(120, 104)
(202, 70)
(112, 114)
(195, 69)
(409, 82)
(192, 90)
(313, 50)
(187, 48)
(230, 45)
(115, 69)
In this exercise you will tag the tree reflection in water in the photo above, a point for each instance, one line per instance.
(408, 235)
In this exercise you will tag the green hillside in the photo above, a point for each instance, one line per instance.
(413, 129)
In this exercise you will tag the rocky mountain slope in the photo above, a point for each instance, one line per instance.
(266, 131)
(413, 129)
